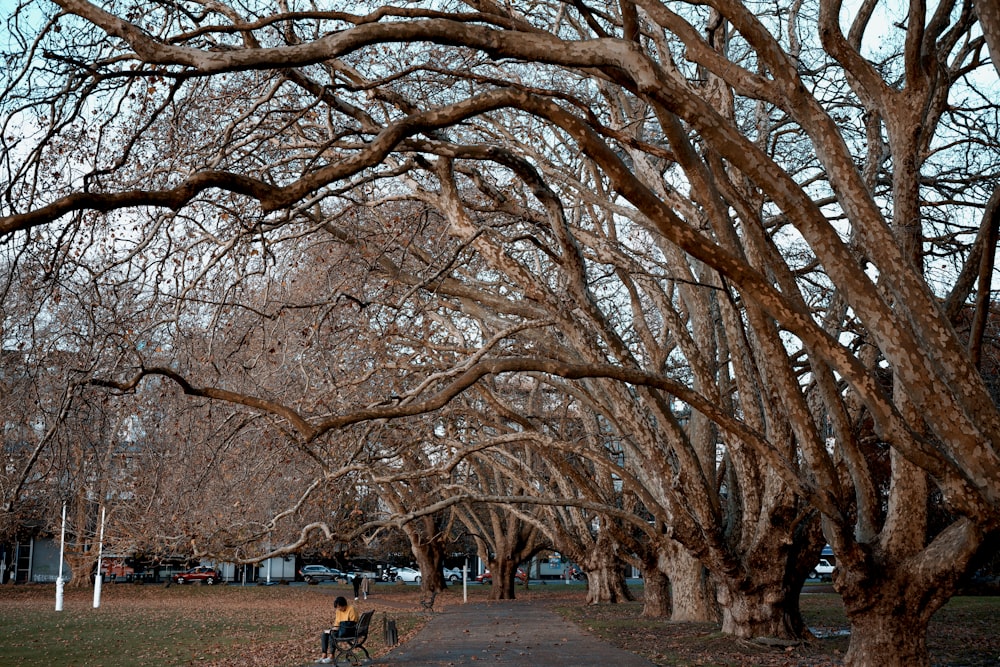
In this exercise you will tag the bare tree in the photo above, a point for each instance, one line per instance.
(505, 536)
(411, 487)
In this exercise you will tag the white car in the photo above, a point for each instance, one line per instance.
(823, 571)
(453, 574)
(408, 574)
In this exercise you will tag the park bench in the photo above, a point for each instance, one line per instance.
(350, 648)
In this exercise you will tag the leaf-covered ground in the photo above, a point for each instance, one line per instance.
(965, 633)
(279, 626)
(156, 626)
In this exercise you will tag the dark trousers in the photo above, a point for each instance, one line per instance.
(329, 639)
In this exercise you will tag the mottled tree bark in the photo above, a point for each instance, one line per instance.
(605, 574)
(430, 558)
(889, 605)
(655, 593)
(692, 591)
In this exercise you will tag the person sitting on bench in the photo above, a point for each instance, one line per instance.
(345, 623)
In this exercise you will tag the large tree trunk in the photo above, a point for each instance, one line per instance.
(889, 609)
(607, 584)
(502, 570)
(691, 590)
(605, 576)
(82, 566)
(763, 610)
(761, 600)
(882, 637)
(429, 553)
(656, 593)
(430, 558)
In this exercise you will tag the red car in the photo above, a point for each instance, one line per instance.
(487, 578)
(207, 575)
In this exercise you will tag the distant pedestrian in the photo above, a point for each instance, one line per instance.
(365, 581)
(356, 581)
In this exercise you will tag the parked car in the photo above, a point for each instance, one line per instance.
(201, 573)
(453, 574)
(823, 571)
(317, 573)
(408, 574)
(389, 574)
(487, 578)
(361, 572)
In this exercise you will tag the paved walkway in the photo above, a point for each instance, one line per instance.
(505, 633)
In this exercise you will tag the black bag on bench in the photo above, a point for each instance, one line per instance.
(347, 629)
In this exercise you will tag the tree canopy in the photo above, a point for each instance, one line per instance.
(716, 275)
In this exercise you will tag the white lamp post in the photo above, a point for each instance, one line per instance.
(59, 580)
(100, 578)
